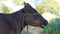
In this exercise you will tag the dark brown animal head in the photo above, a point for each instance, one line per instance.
(32, 17)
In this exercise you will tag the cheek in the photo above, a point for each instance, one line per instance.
(37, 23)
(29, 19)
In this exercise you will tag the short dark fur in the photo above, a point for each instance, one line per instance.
(12, 23)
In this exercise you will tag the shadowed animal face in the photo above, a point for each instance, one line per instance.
(32, 17)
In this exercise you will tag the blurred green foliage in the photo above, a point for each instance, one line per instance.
(53, 27)
(25, 32)
(5, 9)
(18, 2)
(40, 9)
(48, 6)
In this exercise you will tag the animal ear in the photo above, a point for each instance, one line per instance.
(26, 4)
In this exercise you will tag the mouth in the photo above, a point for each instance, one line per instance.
(43, 26)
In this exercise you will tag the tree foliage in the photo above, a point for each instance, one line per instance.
(18, 2)
(53, 27)
(5, 9)
(48, 6)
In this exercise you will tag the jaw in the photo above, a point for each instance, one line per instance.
(39, 24)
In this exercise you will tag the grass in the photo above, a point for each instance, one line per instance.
(25, 32)
(53, 27)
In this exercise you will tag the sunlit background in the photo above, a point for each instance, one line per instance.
(58, 1)
(10, 4)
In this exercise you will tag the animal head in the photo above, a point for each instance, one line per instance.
(32, 17)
